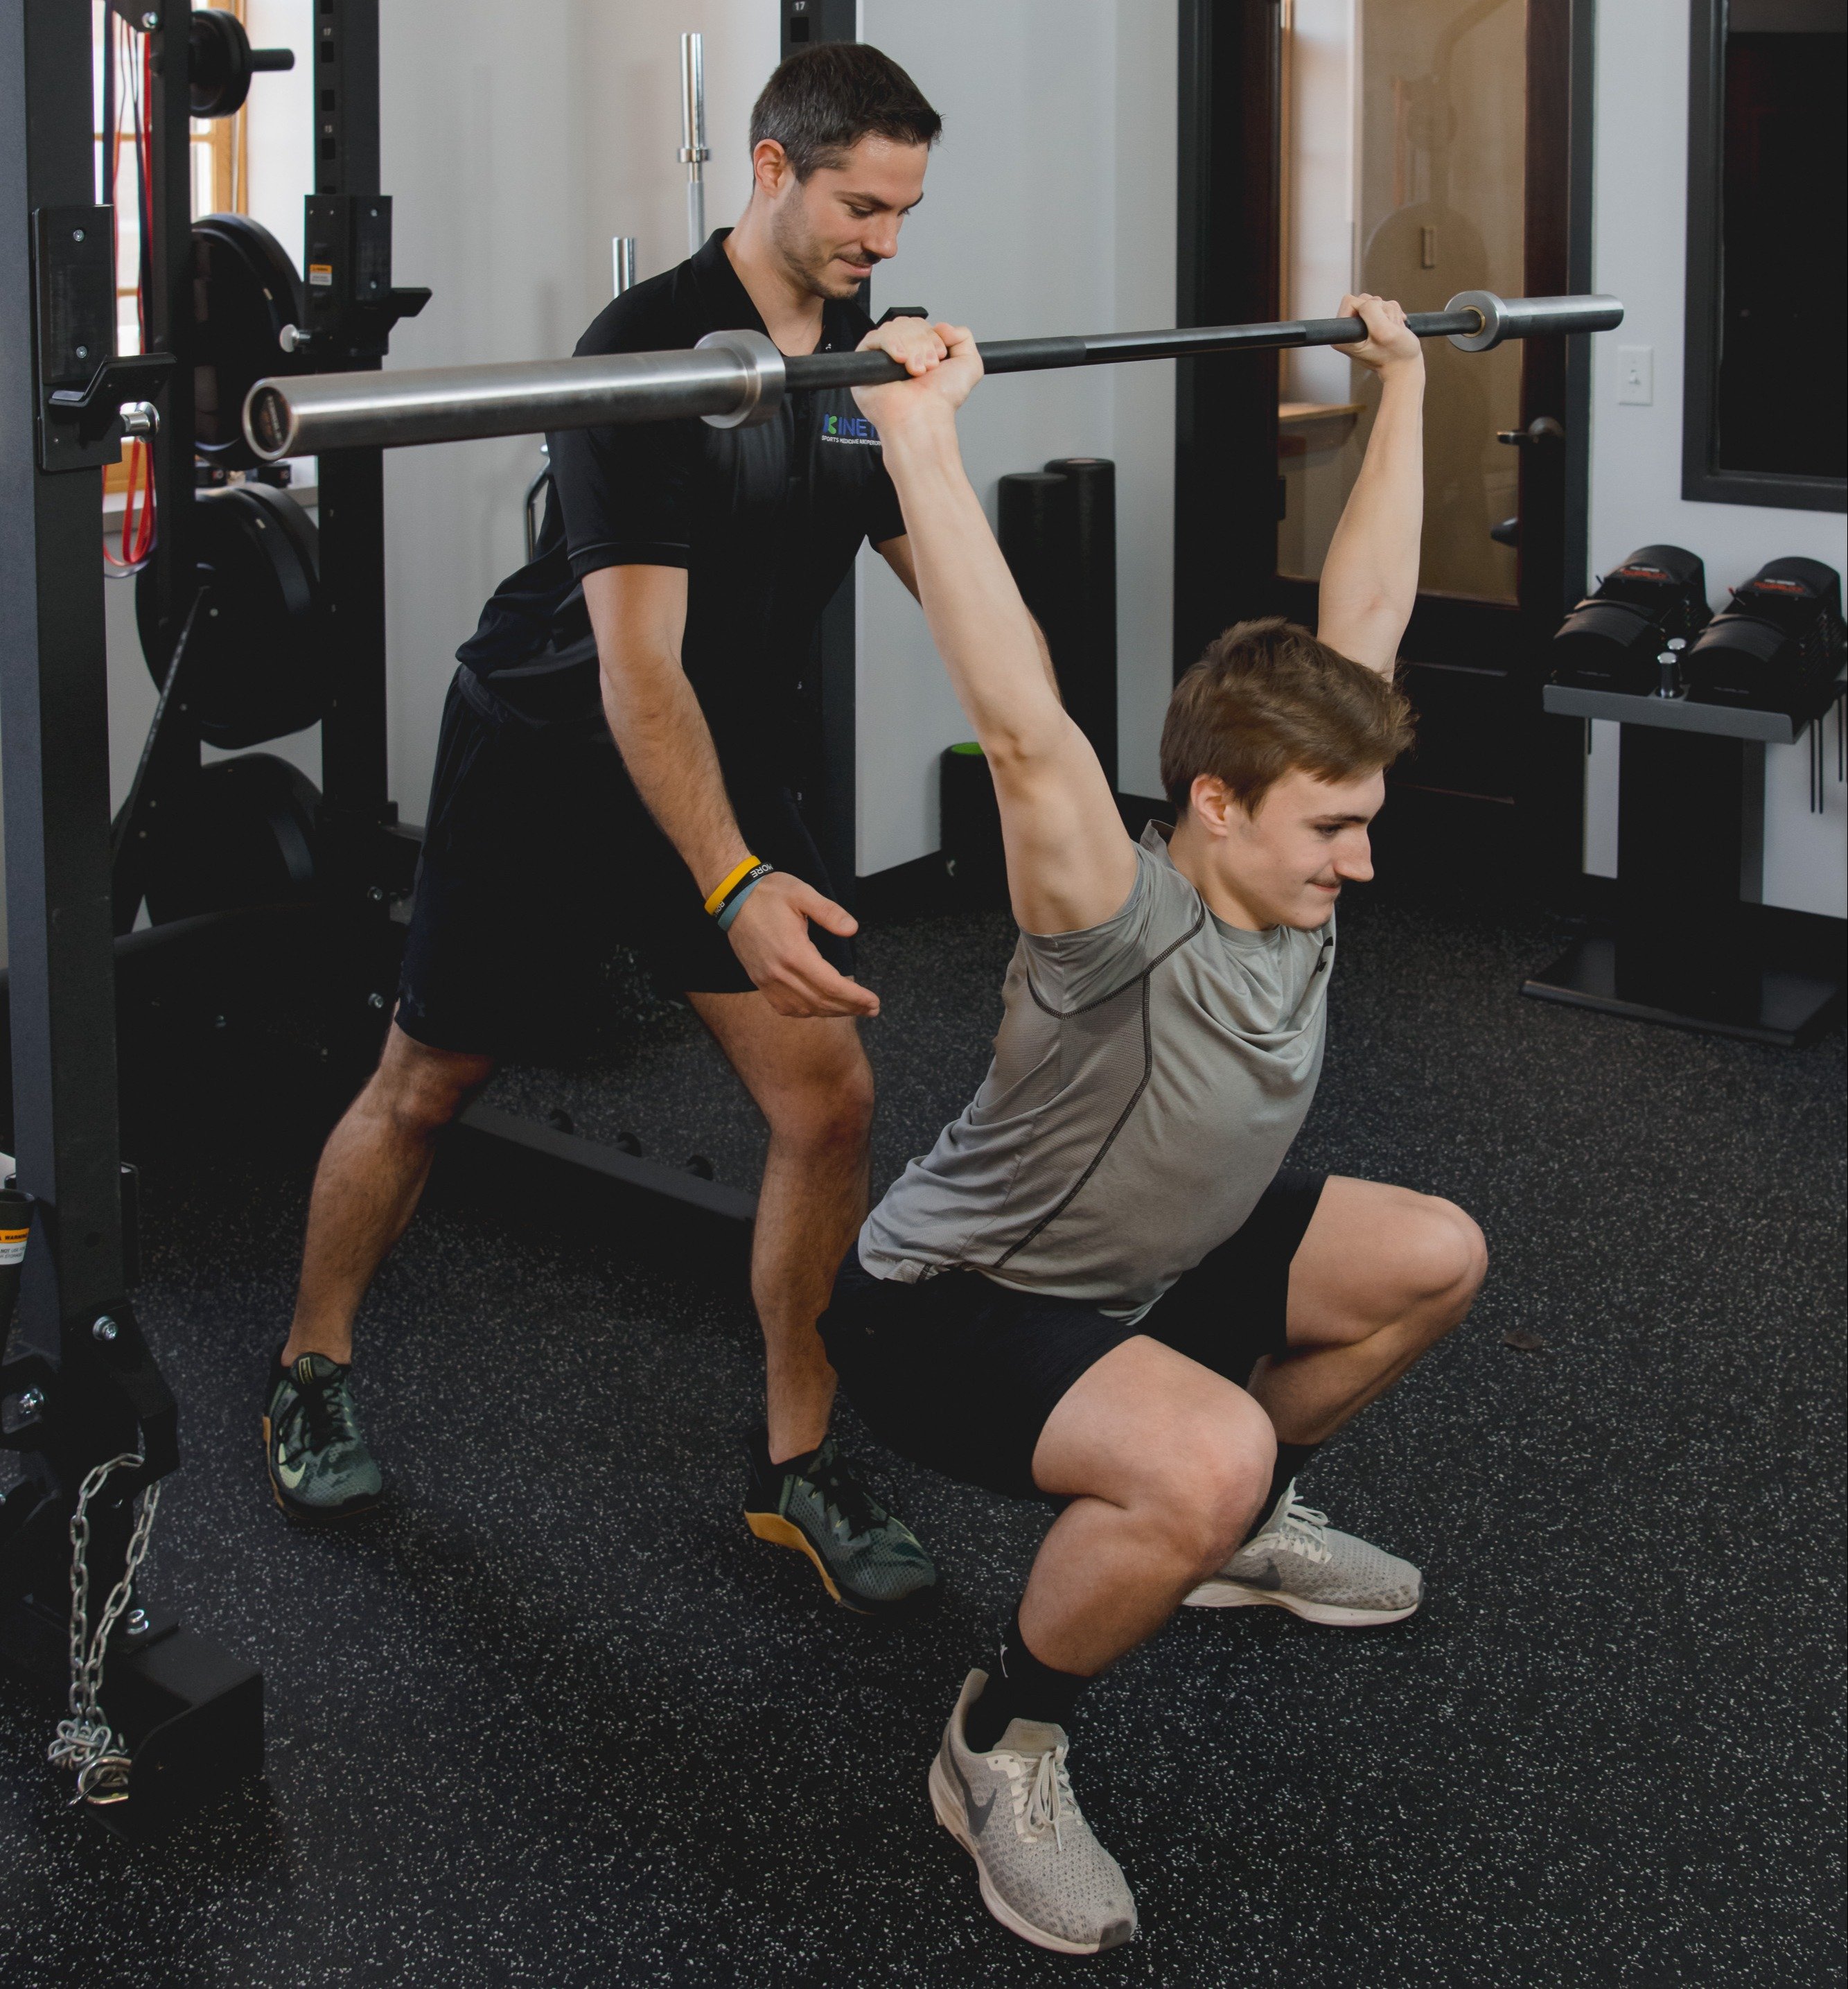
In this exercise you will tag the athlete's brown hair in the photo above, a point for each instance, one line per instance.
(1268, 696)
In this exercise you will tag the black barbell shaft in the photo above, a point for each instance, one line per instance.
(1110, 348)
(739, 377)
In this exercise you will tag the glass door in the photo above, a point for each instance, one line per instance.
(1415, 148)
(1403, 173)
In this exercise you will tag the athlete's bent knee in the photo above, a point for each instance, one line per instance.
(1450, 1256)
(1467, 1250)
(1212, 1481)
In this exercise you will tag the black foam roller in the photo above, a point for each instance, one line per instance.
(1035, 521)
(1088, 668)
(972, 826)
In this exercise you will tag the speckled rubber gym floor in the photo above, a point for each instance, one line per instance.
(556, 1718)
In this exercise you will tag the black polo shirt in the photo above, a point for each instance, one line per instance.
(765, 520)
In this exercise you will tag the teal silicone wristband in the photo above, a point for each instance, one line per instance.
(737, 899)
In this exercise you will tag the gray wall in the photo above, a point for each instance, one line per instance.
(1640, 229)
(1049, 207)
(517, 141)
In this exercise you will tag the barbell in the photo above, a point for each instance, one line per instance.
(736, 379)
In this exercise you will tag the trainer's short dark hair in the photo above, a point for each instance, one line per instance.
(823, 100)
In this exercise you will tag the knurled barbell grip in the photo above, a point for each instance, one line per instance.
(740, 383)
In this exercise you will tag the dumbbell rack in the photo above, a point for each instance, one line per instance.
(1689, 946)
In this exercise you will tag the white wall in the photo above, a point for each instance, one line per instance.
(514, 150)
(1639, 235)
(280, 106)
(514, 159)
(1049, 206)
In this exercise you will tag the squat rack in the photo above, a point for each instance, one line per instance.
(81, 1388)
(83, 1385)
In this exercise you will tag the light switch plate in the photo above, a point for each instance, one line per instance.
(1636, 375)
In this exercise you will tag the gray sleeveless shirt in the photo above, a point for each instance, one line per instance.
(1148, 1075)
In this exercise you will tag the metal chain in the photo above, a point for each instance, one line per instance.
(86, 1741)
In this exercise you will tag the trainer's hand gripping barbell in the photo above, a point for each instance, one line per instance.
(737, 379)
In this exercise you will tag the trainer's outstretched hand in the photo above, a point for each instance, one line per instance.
(771, 939)
(1390, 342)
(946, 379)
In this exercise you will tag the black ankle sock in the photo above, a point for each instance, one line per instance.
(1291, 1459)
(766, 1470)
(1020, 1687)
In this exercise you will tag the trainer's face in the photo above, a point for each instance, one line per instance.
(1286, 861)
(833, 228)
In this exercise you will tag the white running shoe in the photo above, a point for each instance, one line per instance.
(1042, 1873)
(1297, 1561)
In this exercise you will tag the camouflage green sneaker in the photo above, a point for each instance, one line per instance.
(867, 1560)
(319, 1468)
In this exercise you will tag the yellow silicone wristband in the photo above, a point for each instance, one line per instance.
(730, 879)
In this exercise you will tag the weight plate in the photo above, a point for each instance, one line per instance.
(244, 835)
(254, 668)
(245, 289)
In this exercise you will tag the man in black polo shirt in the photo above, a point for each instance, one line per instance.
(625, 753)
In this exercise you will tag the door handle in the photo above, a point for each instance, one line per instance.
(1541, 429)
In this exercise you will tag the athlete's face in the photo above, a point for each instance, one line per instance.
(834, 228)
(1285, 862)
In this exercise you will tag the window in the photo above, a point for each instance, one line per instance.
(1763, 417)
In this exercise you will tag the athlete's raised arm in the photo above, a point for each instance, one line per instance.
(1070, 864)
(1369, 580)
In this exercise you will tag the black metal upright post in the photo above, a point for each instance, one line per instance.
(54, 726)
(84, 1387)
(171, 315)
(805, 23)
(355, 781)
(1227, 272)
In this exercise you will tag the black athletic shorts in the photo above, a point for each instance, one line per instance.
(539, 861)
(961, 1373)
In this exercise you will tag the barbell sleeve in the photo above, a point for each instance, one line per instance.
(323, 411)
(738, 378)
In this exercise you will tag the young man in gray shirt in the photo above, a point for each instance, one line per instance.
(1102, 1286)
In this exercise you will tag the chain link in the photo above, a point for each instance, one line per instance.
(85, 1741)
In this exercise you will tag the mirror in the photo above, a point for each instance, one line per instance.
(1764, 413)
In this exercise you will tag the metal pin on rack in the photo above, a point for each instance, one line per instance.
(693, 153)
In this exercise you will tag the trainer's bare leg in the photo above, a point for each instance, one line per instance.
(1382, 1274)
(1166, 1465)
(811, 1079)
(372, 1171)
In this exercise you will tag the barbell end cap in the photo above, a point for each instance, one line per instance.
(1490, 310)
(269, 423)
(1608, 309)
(762, 379)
